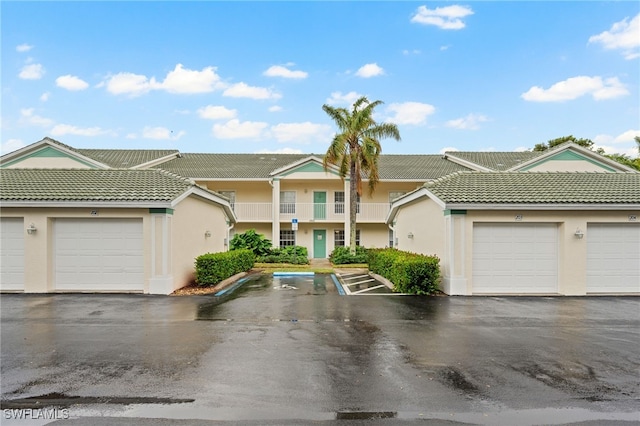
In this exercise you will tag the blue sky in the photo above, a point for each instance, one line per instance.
(253, 76)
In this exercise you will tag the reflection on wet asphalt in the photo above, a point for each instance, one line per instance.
(280, 350)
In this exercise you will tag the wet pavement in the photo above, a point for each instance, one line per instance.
(294, 351)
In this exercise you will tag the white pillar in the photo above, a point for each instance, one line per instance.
(161, 281)
(454, 280)
(347, 209)
(275, 225)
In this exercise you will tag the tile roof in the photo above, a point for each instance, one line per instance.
(90, 185)
(537, 188)
(499, 161)
(259, 166)
(125, 158)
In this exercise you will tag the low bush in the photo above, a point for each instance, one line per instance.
(343, 256)
(296, 255)
(211, 268)
(409, 272)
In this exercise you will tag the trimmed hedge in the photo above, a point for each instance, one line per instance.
(211, 268)
(296, 255)
(343, 256)
(409, 272)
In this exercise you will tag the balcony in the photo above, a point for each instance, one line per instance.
(310, 212)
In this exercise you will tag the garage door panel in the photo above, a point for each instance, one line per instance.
(12, 254)
(99, 255)
(613, 258)
(515, 258)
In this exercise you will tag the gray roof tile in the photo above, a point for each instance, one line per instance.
(499, 161)
(537, 188)
(125, 158)
(260, 166)
(90, 185)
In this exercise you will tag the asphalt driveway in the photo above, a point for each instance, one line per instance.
(268, 355)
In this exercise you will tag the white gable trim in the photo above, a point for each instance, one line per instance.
(451, 156)
(34, 147)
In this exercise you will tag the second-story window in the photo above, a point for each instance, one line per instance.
(287, 202)
(338, 199)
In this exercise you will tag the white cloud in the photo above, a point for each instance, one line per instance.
(32, 72)
(521, 149)
(126, 83)
(446, 18)
(131, 136)
(71, 82)
(470, 122)
(414, 113)
(370, 70)
(235, 129)
(280, 71)
(27, 116)
(24, 47)
(161, 133)
(627, 136)
(411, 52)
(68, 129)
(185, 81)
(179, 81)
(216, 112)
(280, 151)
(275, 108)
(242, 90)
(11, 145)
(302, 132)
(45, 96)
(339, 98)
(575, 87)
(623, 36)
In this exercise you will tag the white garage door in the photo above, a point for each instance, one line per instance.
(98, 255)
(518, 258)
(12, 254)
(613, 258)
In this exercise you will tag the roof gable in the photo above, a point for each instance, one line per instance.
(571, 157)
(48, 153)
(304, 166)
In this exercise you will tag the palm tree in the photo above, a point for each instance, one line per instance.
(356, 149)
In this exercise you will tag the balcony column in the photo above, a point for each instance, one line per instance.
(275, 223)
(347, 209)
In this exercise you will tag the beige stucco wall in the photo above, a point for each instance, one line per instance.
(194, 219)
(450, 237)
(246, 192)
(572, 252)
(168, 255)
(38, 247)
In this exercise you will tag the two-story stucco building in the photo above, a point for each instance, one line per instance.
(293, 200)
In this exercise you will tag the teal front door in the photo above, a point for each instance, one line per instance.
(319, 243)
(319, 205)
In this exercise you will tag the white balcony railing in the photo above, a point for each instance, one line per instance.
(310, 212)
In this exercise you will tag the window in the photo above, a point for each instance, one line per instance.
(287, 238)
(338, 237)
(231, 195)
(288, 202)
(391, 238)
(338, 199)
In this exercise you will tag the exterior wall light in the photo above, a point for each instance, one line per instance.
(579, 234)
(207, 234)
(31, 229)
(410, 236)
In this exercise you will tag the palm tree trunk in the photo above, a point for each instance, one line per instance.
(353, 206)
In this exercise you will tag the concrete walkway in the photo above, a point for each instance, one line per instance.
(320, 263)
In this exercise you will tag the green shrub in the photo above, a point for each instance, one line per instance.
(211, 268)
(296, 255)
(343, 256)
(251, 240)
(409, 272)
